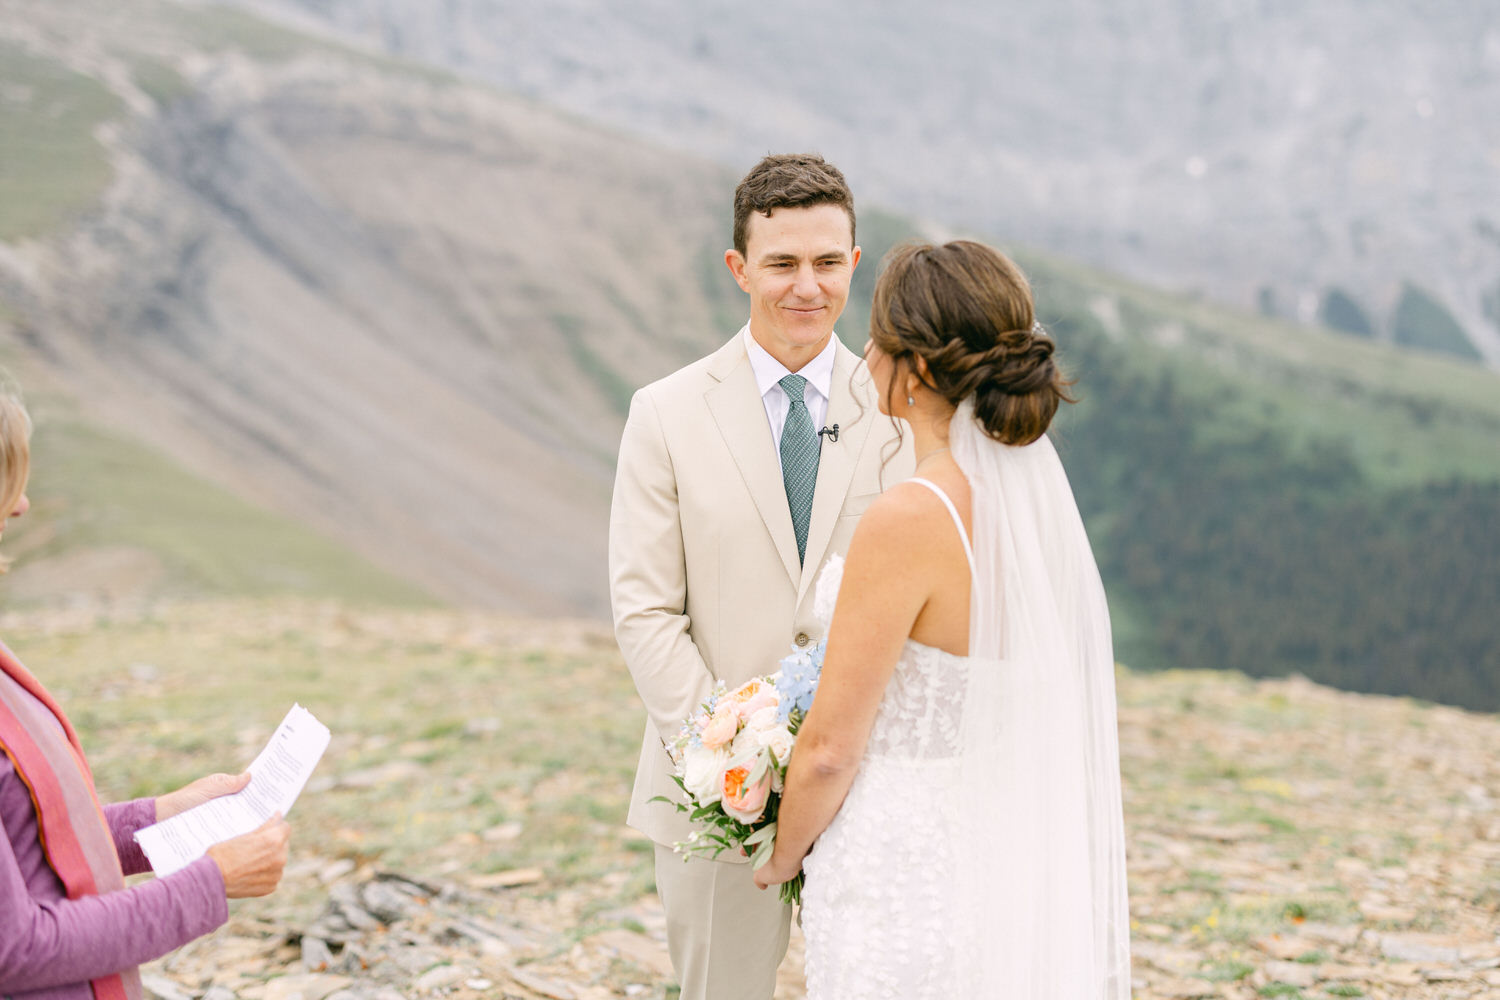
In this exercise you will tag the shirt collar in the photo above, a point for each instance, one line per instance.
(769, 372)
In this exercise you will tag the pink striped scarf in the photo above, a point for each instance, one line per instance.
(74, 834)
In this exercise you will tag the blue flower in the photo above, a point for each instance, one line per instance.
(800, 671)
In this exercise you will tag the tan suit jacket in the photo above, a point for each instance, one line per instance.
(704, 577)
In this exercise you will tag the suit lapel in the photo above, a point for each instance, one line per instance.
(741, 418)
(836, 464)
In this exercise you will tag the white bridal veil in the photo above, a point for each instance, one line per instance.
(1040, 756)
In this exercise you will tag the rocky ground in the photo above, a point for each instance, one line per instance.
(462, 838)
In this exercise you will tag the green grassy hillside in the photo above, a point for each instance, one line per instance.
(1274, 499)
(112, 518)
(51, 166)
(1407, 416)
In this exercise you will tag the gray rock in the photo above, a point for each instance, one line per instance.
(1412, 948)
(304, 986)
(344, 900)
(335, 870)
(367, 991)
(414, 959)
(1292, 973)
(443, 975)
(383, 993)
(556, 989)
(334, 928)
(414, 887)
(483, 726)
(1346, 936)
(354, 960)
(159, 987)
(503, 833)
(493, 938)
(385, 902)
(316, 955)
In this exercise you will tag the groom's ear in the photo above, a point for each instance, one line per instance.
(735, 261)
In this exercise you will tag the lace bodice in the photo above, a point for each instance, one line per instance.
(877, 911)
(922, 709)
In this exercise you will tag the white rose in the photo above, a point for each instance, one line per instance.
(744, 744)
(703, 773)
(779, 741)
(764, 720)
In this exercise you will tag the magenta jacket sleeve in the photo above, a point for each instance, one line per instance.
(124, 819)
(48, 940)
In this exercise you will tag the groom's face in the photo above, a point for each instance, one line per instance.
(796, 268)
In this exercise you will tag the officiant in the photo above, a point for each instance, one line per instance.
(69, 927)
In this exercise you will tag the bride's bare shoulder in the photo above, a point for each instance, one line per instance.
(909, 514)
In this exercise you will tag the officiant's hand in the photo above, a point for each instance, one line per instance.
(252, 863)
(199, 792)
(777, 871)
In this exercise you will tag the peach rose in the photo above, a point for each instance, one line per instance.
(752, 696)
(747, 690)
(721, 727)
(742, 800)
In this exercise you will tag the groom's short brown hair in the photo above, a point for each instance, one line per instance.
(788, 180)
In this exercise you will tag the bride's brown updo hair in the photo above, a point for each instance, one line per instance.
(965, 309)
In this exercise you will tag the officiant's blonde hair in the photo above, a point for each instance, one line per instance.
(15, 449)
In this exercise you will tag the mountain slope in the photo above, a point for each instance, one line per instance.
(406, 310)
(1329, 162)
(409, 311)
(116, 523)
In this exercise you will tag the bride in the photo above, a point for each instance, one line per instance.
(958, 769)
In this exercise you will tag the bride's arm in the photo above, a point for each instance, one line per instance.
(887, 581)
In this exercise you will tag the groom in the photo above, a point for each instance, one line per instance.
(738, 476)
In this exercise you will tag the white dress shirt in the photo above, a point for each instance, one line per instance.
(768, 375)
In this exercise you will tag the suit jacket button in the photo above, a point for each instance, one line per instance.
(802, 639)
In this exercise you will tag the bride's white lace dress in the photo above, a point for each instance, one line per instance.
(879, 900)
(979, 852)
(880, 896)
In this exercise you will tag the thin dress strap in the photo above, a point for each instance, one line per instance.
(957, 521)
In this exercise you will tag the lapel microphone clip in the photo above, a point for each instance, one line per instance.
(832, 432)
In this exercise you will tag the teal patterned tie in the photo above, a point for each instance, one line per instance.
(799, 459)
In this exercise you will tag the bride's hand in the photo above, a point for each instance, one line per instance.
(776, 871)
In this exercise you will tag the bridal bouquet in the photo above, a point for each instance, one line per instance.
(731, 758)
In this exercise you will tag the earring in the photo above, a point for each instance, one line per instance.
(911, 400)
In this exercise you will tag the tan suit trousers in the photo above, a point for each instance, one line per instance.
(726, 937)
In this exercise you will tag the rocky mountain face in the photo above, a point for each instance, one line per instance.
(409, 310)
(357, 293)
(1336, 161)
